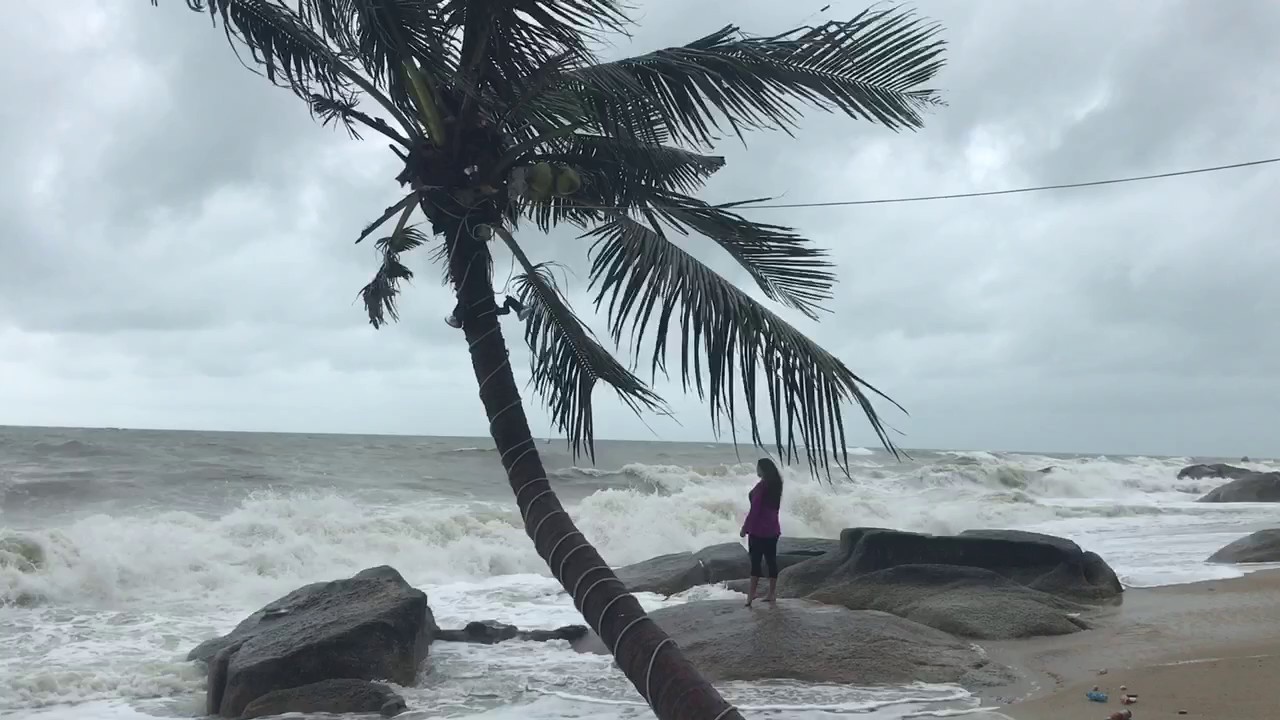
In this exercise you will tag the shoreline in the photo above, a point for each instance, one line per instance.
(1209, 650)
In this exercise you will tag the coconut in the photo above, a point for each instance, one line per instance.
(568, 181)
(541, 179)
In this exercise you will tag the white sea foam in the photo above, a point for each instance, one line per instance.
(98, 611)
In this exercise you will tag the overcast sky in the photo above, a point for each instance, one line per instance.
(175, 235)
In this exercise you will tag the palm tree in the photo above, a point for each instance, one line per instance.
(500, 112)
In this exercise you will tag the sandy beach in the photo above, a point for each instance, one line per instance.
(1208, 650)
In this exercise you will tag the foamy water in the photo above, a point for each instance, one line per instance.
(139, 562)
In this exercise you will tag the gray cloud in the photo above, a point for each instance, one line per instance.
(175, 235)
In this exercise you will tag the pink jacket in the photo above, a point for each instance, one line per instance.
(761, 521)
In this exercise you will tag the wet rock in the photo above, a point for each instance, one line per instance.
(490, 632)
(1214, 470)
(965, 601)
(665, 574)
(1260, 547)
(1079, 574)
(677, 572)
(1041, 562)
(372, 626)
(1254, 487)
(811, 642)
(981, 583)
(328, 696)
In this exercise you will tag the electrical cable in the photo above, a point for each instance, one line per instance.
(958, 196)
(1038, 188)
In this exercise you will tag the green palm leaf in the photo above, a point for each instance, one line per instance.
(297, 55)
(872, 67)
(383, 33)
(651, 284)
(625, 171)
(380, 294)
(567, 361)
(616, 174)
(344, 110)
(786, 266)
(281, 41)
(516, 37)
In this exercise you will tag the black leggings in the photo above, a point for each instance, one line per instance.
(763, 549)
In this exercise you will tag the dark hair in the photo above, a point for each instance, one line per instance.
(772, 482)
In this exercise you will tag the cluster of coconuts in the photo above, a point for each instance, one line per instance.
(544, 179)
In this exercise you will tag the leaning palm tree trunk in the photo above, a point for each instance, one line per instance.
(650, 659)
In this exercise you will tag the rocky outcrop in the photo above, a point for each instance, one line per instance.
(491, 632)
(671, 574)
(328, 696)
(1046, 563)
(1254, 487)
(1214, 470)
(1260, 547)
(966, 601)
(1079, 574)
(372, 626)
(988, 584)
(810, 642)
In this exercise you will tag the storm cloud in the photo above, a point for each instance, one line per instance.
(176, 235)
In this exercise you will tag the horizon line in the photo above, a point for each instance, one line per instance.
(727, 443)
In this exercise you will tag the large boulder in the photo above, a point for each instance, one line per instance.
(966, 601)
(1080, 574)
(677, 572)
(1213, 470)
(1254, 487)
(1046, 563)
(665, 574)
(1260, 547)
(811, 642)
(372, 626)
(988, 584)
(328, 696)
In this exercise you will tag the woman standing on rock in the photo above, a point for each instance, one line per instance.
(762, 530)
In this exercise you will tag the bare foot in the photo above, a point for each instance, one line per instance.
(772, 601)
(749, 604)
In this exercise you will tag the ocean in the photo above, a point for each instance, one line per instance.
(122, 549)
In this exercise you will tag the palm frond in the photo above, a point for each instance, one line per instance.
(383, 33)
(381, 293)
(625, 171)
(605, 113)
(873, 67)
(387, 213)
(292, 52)
(510, 41)
(581, 211)
(624, 175)
(785, 265)
(407, 239)
(617, 173)
(344, 110)
(567, 359)
(650, 284)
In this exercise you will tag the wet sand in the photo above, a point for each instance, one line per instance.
(1199, 651)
